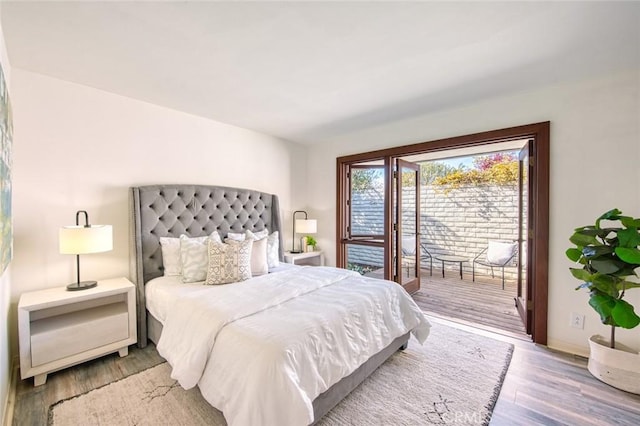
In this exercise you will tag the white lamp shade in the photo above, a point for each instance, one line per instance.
(84, 240)
(306, 226)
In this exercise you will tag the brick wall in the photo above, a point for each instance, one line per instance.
(458, 222)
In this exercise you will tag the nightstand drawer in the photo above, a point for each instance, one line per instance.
(60, 336)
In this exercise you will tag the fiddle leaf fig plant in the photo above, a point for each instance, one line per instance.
(609, 257)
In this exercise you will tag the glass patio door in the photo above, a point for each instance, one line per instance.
(406, 227)
(525, 237)
(379, 221)
(363, 238)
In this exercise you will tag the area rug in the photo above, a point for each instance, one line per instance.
(455, 378)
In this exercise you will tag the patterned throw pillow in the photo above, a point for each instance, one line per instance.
(259, 265)
(171, 255)
(193, 257)
(273, 246)
(171, 261)
(228, 263)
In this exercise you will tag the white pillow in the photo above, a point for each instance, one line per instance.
(498, 252)
(241, 236)
(259, 265)
(171, 255)
(193, 256)
(273, 246)
(228, 263)
(170, 247)
(258, 235)
(273, 250)
(236, 236)
(215, 237)
(409, 245)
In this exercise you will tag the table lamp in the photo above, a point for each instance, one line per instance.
(302, 226)
(84, 239)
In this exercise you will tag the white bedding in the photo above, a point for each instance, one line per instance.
(162, 292)
(262, 350)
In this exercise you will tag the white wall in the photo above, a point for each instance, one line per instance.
(595, 152)
(5, 353)
(81, 148)
(5, 280)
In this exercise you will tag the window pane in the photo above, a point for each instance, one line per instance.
(366, 260)
(367, 201)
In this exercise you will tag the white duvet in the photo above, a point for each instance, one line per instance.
(262, 350)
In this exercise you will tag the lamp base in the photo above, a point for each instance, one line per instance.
(295, 252)
(83, 285)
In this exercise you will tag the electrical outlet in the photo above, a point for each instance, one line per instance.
(577, 320)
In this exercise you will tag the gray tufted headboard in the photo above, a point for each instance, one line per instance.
(194, 210)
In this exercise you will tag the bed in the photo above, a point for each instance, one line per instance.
(312, 374)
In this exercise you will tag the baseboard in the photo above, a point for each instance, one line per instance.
(10, 402)
(568, 348)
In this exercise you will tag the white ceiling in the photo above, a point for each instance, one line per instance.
(308, 71)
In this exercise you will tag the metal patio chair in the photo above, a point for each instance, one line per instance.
(409, 249)
(497, 254)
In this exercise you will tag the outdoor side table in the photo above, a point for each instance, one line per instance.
(452, 259)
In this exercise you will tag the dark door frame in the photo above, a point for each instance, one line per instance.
(539, 134)
(411, 283)
(525, 174)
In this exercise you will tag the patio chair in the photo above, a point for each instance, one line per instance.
(409, 250)
(497, 254)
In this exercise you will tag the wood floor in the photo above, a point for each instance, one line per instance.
(32, 403)
(546, 387)
(483, 303)
(542, 387)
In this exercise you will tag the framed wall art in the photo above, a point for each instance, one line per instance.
(6, 137)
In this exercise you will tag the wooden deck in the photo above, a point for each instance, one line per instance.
(481, 304)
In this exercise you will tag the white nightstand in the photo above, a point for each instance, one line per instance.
(313, 258)
(59, 328)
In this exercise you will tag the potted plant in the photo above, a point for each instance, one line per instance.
(609, 256)
(311, 242)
